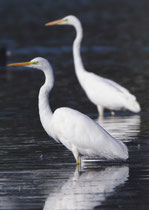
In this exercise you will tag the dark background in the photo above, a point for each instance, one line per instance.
(115, 45)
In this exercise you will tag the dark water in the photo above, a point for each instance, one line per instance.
(35, 172)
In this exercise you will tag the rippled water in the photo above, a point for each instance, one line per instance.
(37, 173)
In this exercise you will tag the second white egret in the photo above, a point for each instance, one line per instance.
(104, 93)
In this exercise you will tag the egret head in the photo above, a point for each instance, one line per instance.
(68, 20)
(38, 63)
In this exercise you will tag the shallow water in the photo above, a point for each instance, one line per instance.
(37, 173)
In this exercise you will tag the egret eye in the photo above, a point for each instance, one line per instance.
(65, 20)
(35, 62)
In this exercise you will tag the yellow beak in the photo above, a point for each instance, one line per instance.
(21, 64)
(54, 22)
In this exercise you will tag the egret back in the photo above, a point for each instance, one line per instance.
(73, 128)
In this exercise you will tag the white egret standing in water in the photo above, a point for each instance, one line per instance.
(104, 93)
(76, 131)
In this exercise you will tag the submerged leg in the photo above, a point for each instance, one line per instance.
(100, 111)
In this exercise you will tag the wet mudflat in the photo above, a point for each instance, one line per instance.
(36, 172)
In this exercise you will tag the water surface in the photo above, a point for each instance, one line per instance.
(36, 172)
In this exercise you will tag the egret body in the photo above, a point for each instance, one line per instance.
(102, 92)
(76, 131)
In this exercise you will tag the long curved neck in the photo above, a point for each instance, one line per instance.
(45, 112)
(77, 49)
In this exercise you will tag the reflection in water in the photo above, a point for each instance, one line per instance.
(28, 189)
(123, 128)
(87, 189)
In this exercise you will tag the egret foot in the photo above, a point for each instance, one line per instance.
(78, 162)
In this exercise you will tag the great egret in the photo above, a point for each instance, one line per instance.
(76, 131)
(104, 93)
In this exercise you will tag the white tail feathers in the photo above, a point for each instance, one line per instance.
(133, 105)
(121, 151)
(124, 153)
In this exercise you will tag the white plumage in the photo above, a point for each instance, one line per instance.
(76, 131)
(85, 137)
(104, 93)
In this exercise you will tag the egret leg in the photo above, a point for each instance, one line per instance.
(76, 155)
(100, 110)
